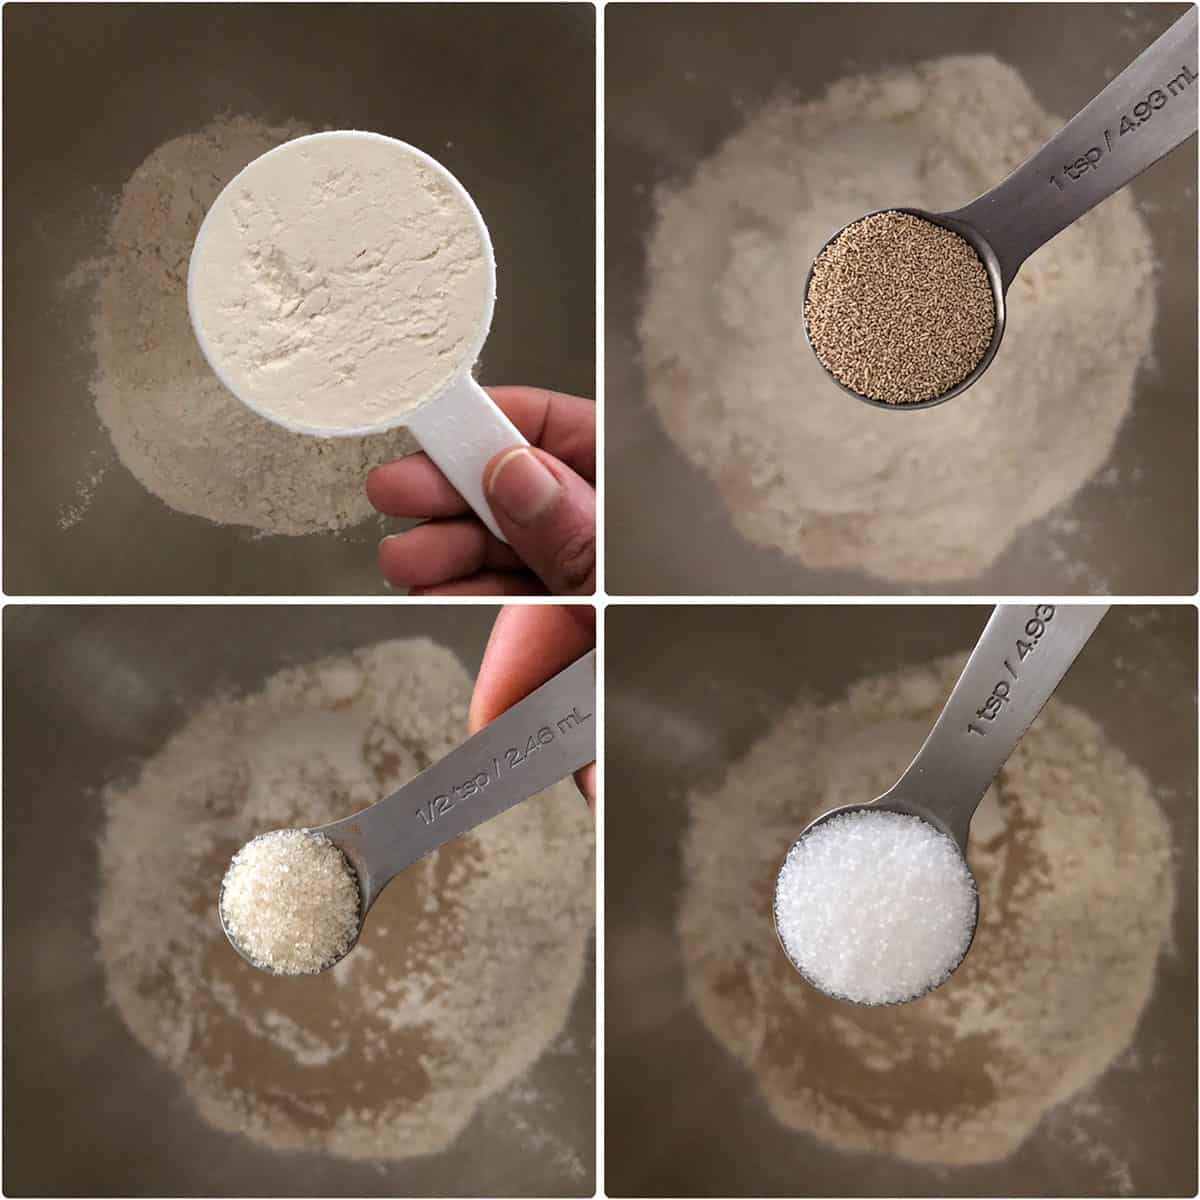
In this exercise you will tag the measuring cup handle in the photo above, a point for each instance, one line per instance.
(461, 430)
(1021, 657)
(1144, 113)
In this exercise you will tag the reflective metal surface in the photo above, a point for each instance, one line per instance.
(665, 113)
(87, 693)
(1043, 196)
(1018, 663)
(683, 1117)
(503, 95)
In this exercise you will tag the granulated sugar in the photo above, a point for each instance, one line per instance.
(793, 462)
(463, 976)
(899, 309)
(875, 907)
(340, 281)
(290, 902)
(1072, 856)
(184, 437)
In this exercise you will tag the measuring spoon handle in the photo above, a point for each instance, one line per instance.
(540, 740)
(1021, 657)
(1144, 113)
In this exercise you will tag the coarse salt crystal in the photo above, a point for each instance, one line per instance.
(875, 907)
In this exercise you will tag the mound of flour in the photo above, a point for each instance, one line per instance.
(174, 426)
(466, 968)
(928, 496)
(1072, 854)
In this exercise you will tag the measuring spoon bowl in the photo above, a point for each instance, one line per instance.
(995, 274)
(332, 962)
(902, 808)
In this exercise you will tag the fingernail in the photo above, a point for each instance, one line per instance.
(521, 486)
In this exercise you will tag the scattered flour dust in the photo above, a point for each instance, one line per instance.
(173, 425)
(1072, 856)
(75, 510)
(809, 470)
(465, 971)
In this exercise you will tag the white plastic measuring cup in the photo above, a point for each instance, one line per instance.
(457, 424)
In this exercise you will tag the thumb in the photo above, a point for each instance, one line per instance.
(548, 515)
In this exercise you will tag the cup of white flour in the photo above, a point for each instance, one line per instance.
(343, 284)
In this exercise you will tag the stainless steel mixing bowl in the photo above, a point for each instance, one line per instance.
(680, 79)
(88, 1111)
(688, 691)
(503, 95)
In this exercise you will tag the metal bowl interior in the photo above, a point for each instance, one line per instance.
(666, 114)
(88, 692)
(676, 720)
(502, 96)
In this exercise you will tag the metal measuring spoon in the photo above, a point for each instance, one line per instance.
(1019, 660)
(543, 739)
(1143, 114)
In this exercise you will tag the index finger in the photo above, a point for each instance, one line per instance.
(528, 644)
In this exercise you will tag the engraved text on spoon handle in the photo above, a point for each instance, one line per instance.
(539, 741)
(1021, 657)
(1144, 113)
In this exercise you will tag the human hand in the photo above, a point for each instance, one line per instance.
(543, 498)
(528, 645)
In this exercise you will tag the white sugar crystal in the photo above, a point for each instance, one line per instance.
(875, 907)
(290, 902)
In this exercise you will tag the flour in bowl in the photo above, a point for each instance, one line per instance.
(1072, 854)
(463, 976)
(801, 466)
(174, 426)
